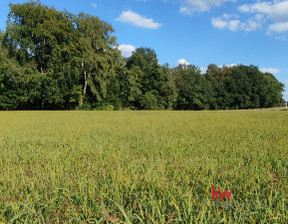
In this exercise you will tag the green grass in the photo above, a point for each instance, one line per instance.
(143, 167)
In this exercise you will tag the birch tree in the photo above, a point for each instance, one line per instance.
(98, 55)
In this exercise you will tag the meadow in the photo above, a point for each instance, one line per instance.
(143, 167)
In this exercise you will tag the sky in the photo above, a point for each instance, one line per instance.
(197, 32)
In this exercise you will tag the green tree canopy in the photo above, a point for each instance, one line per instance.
(194, 91)
(156, 84)
(66, 54)
(242, 87)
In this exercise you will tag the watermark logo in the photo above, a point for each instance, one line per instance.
(217, 194)
(225, 193)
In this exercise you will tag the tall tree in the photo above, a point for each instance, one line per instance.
(43, 37)
(10, 96)
(194, 91)
(98, 55)
(72, 55)
(130, 85)
(270, 93)
(157, 86)
(242, 87)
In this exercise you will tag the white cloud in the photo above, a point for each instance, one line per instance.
(93, 4)
(185, 10)
(126, 49)
(234, 25)
(278, 27)
(183, 61)
(275, 11)
(219, 23)
(203, 69)
(270, 70)
(271, 15)
(228, 65)
(137, 20)
(229, 22)
(191, 6)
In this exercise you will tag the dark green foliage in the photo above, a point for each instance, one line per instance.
(42, 38)
(153, 82)
(271, 93)
(130, 86)
(194, 91)
(243, 87)
(68, 56)
(10, 93)
(53, 59)
(97, 56)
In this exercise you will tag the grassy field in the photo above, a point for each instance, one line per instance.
(143, 167)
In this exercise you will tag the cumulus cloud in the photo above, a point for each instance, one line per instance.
(271, 15)
(232, 23)
(126, 49)
(219, 23)
(137, 20)
(183, 61)
(203, 69)
(270, 70)
(191, 6)
(275, 11)
(278, 27)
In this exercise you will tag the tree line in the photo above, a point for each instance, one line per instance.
(53, 59)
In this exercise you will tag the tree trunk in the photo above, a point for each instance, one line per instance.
(84, 88)
(86, 77)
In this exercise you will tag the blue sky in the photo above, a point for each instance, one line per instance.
(199, 32)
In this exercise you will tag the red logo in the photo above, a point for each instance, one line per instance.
(221, 195)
